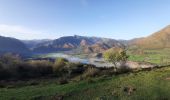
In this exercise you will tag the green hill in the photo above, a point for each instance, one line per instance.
(146, 85)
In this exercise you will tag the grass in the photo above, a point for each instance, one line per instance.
(156, 56)
(149, 85)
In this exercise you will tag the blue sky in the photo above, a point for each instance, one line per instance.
(119, 19)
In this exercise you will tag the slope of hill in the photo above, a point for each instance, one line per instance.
(158, 40)
(88, 44)
(33, 43)
(145, 85)
(12, 45)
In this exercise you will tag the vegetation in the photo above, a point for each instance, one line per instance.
(116, 56)
(152, 85)
(58, 80)
(156, 56)
(12, 67)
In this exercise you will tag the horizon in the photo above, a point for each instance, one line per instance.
(125, 20)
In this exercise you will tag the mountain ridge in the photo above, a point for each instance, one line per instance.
(84, 44)
(12, 45)
(73, 42)
(157, 40)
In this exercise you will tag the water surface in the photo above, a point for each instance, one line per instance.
(98, 62)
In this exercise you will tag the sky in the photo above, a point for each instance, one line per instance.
(51, 19)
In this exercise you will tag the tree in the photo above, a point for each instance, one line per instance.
(116, 56)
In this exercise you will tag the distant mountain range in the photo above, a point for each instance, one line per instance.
(76, 43)
(33, 43)
(88, 44)
(12, 45)
(82, 44)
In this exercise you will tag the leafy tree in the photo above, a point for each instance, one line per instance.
(116, 56)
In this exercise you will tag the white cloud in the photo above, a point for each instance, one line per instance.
(21, 32)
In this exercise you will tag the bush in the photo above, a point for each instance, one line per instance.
(90, 80)
(123, 69)
(18, 69)
(8, 66)
(59, 67)
(75, 69)
(91, 72)
(107, 71)
(42, 67)
(4, 73)
(59, 64)
(62, 81)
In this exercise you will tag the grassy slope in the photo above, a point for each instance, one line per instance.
(150, 85)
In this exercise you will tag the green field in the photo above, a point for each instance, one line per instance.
(156, 56)
(148, 85)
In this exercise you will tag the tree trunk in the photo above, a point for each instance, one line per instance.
(115, 66)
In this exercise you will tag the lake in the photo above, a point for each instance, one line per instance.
(98, 62)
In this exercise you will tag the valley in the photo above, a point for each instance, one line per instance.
(84, 50)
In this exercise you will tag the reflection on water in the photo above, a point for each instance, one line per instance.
(95, 61)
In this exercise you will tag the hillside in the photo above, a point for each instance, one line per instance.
(146, 85)
(12, 45)
(33, 43)
(87, 44)
(158, 40)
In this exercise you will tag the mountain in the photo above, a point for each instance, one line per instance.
(12, 45)
(77, 43)
(158, 40)
(33, 43)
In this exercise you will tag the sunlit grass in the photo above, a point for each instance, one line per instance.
(156, 56)
(149, 85)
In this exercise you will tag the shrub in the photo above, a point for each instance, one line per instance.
(8, 66)
(10, 59)
(59, 67)
(59, 64)
(62, 81)
(90, 80)
(75, 69)
(91, 72)
(4, 73)
(25, 70)
(107, 71)
(41, 67)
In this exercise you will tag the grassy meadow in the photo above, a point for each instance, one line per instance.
(156, 56)
(143, 85)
